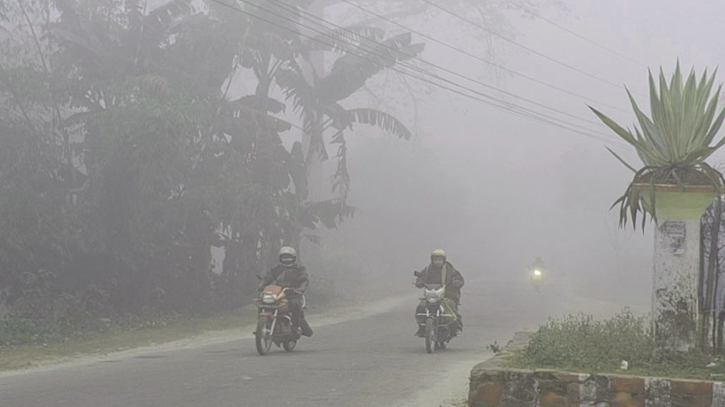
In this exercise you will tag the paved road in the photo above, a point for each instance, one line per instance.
(371, 360)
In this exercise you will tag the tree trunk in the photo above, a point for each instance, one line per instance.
(712, 266)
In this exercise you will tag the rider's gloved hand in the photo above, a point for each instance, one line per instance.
(457, 283)
(419, 285)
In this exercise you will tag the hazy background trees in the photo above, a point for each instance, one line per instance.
(156, 154)
(137, 135)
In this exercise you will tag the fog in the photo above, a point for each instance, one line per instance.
(505, 161)
(158, 156)
(495, 189)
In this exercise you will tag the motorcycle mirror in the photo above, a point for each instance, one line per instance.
(258, 276)
(416, 273)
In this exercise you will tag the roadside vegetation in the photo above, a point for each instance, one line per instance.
(137, 138)
(579, 343)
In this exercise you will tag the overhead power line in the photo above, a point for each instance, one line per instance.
(559, 26)
(517, 110)
(435, 65)
(533, 51)
(492, 63)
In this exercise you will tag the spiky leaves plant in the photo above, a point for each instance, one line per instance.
(673, 143)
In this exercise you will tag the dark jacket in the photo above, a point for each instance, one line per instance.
(295, 277)
(432, 275)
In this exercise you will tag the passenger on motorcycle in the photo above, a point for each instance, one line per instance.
(440, 271)
(289, 274)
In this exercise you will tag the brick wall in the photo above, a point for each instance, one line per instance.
(545, 388)
(493, 386)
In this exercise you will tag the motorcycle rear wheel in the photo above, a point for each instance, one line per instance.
(430, 335)
(262, 337)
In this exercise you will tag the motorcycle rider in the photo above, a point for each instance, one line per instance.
(440, 270)
(289, 274)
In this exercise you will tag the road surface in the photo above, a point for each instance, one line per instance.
(368, 358)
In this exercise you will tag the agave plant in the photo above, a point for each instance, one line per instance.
(673, 143)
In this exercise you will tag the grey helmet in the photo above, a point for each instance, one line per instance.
(287, 256)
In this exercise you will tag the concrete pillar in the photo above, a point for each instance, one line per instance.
(675, 279)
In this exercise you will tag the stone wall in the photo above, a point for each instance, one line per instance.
(494, 386)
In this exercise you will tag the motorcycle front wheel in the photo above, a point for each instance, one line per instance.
(430, 335)
(263, 335)
(289, 346)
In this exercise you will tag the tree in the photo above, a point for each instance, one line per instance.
(318, 100)
(125, 156)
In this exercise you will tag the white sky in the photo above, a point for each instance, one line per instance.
(537, 189)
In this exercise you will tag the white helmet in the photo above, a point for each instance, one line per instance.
(287, 256)
(438, 253)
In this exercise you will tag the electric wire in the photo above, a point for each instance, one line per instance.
(533, 51)
(575, 34)
(436, 66)
(476, 57)
(516, 111)
(528, 113)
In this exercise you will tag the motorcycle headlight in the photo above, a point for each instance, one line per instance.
(269, 298)
(537, 272)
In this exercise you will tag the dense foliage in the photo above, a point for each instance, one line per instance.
(129, 148)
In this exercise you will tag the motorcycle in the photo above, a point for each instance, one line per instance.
(537, 277)
(274, 323)
(439, 318)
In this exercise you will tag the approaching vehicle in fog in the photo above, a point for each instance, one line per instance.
(537, 269)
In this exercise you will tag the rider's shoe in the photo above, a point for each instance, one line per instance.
(421, 331)
(305, 328)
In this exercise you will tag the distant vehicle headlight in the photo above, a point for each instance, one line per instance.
(537, 272)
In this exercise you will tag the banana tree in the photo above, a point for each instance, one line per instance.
(674, 186)
(362, 53)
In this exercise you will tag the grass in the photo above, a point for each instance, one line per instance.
(28, 344)
(123, 337)
(579, 343)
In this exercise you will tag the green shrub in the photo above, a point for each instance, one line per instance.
(21, 330)
(18, 330)
(581, 343)
(578, 341)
